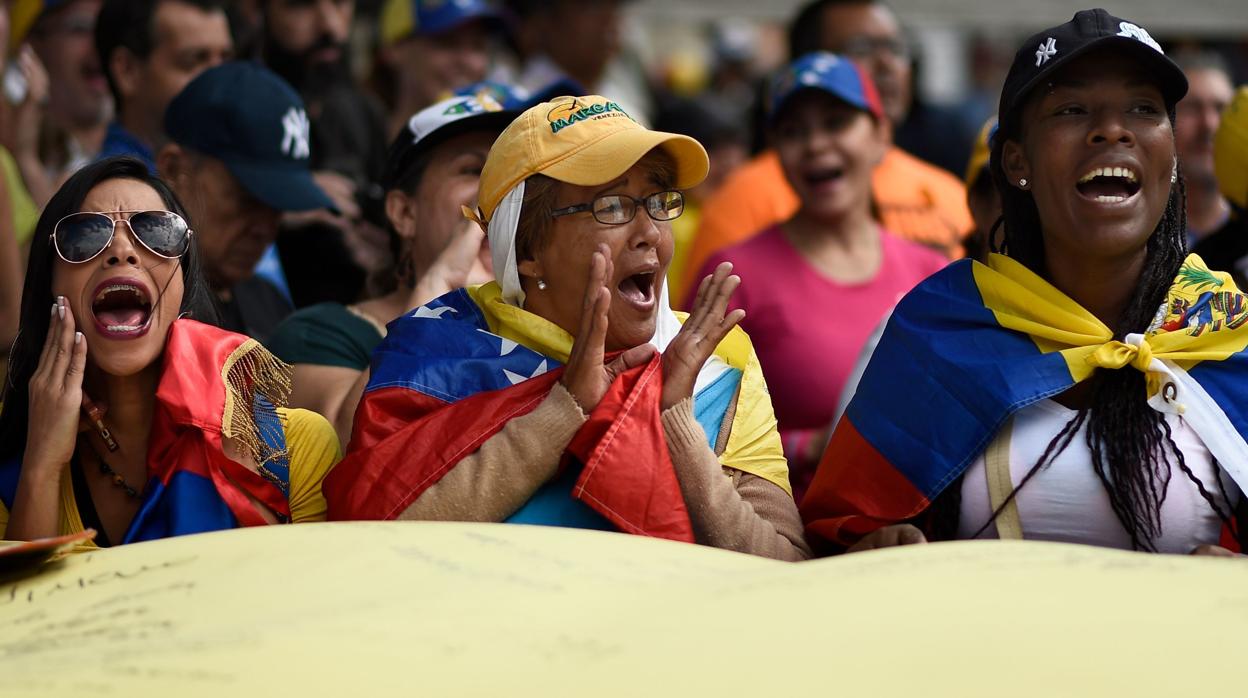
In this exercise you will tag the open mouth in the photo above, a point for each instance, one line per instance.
(121, 308)
(1109, 185)
(638, 289)
(820, 177)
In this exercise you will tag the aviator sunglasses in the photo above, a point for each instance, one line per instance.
(81, 237)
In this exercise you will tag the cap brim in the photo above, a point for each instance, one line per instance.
(402, 152)
(1166, 72)
(611, 156)
(283, 188)
(783, 102)
(491, 20)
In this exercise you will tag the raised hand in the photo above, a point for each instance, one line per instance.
(888, 537)
(702, 332)
(585, 377)
(458, 265)
(56, 394)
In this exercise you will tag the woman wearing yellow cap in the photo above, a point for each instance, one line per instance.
(567, 393)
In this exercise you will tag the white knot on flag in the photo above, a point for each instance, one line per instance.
(296, 134)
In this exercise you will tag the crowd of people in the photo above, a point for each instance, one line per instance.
(244, 282)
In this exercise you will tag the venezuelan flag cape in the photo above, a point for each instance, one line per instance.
(975, 343)
(452, 373)
(214, 384)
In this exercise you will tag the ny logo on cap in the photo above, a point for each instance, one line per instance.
(296, 134)
(1134, 31)
(1046, 51)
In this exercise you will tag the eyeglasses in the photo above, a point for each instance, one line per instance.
(618, 209)
(81, 237)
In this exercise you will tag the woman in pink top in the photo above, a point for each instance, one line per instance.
(815, 286)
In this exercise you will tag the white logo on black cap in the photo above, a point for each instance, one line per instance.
(1046, 51)
(1138, 33)
(296, 134)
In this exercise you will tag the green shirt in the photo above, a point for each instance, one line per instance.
(325, 334)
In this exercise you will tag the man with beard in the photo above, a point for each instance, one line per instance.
(72, 124)
(305, 42)
(150, 50)
(1196, 120)
(237, 156)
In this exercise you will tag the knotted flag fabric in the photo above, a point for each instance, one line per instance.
(975, 343)
(452, 373)
(214, 385)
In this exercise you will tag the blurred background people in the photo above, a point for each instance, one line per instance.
(1209, 91)
(581, 41)
(1226, 249)
(149, 51)
(330, 257)
(433, 169)
(914, 199)
(430, 49)
(237, 155)
(73, 120)
(815, 286)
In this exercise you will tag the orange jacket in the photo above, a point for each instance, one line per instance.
(913, 199)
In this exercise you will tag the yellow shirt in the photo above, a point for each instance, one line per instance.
(314, 450)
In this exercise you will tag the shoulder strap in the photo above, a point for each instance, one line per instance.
(1000, 485)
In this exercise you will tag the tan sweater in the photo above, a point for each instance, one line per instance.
(728, 508)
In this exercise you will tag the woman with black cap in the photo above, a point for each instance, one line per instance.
(1078, 386)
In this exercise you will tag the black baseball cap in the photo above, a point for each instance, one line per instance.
(1047, 51)
(251, 120)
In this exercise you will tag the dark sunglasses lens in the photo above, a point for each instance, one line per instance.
(164, 232)
(81, 236)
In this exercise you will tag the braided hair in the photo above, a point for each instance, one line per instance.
(1133, 451)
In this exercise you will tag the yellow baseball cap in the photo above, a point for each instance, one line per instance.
(1230, 150)
(583, 141)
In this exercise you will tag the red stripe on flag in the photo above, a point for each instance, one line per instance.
(856, 491)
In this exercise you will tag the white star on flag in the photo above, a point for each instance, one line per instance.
(517, 378)
(432, 313)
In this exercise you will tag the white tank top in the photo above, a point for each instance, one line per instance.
(1066, 501)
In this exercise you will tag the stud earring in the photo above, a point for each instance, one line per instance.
(541, 285)
(1022, 182)
(1174, 176)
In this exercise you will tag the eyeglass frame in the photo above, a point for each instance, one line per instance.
(637, 203)
(52, 236)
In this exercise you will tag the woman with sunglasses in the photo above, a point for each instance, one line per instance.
(1083, 385)
(567, 393)
(123, 412)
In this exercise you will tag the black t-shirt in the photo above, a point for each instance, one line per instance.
(255, 308)
(1226, 249)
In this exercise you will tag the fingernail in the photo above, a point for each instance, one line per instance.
(77, 338)
(60, 311)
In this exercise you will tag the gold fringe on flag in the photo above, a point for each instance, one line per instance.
(251, 370)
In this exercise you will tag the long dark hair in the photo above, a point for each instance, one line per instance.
(1133, 452)
(197, 300)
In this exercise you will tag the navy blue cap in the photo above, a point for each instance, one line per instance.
(254, 122)
(1045, 53)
